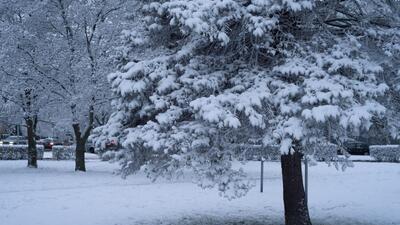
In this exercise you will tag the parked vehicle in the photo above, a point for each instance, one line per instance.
(67, 142)
(357, 147)
(112, 144)
(4, 136)
(14, 140)
(49, 142)
(40, 141)
(89, 147)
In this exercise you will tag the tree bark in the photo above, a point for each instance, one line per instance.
(80, 149)
(79, 153)
(296, 209)
(32, 152)
(81, 140)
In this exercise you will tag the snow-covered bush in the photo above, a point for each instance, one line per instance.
(326, 152)
(63, 152)
(40, 151)
(323, 152)
(269, 152)
(17, 152)
(108, 155)
(385, 153)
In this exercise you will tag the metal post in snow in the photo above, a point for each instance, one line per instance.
(262, 175)
(306, 178)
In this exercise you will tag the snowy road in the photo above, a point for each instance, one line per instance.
(368, 194)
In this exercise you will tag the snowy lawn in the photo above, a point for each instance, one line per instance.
(55, 195)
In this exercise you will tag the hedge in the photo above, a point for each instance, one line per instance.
(18, 152)
(270, 152)
(324, 152)
(385, 153)
(108, 155)
(63, 152)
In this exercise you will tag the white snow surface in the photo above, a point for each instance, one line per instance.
(88, 156)
(367, 194)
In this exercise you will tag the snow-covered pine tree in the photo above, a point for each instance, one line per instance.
(387, 52)
(205, 77)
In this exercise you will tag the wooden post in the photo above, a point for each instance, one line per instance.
(306, 178)
(262, 176)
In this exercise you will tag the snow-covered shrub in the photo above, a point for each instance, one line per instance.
(17, 152)
(107, 156)
(63, 152)
(40, 151)
(273, 152)
(269, 152)
(323, 152)
(385, 153)
(112, 155)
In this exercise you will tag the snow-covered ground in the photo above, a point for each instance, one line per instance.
(368, 194)
(88, 156)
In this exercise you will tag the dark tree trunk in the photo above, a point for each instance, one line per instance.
(32, 152)
(31, 120)
(296, 209)
(81, 140)
(80, 149)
